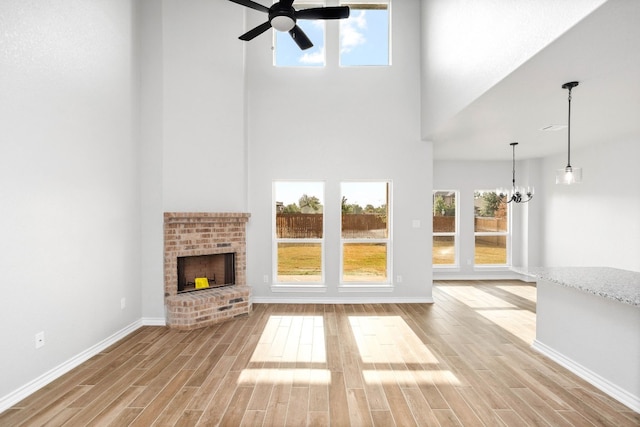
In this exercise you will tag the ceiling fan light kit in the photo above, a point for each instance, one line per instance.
(569, 175)
(283, 17)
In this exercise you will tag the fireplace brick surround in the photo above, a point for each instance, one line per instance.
(204, 233)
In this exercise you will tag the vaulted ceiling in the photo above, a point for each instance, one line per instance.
(601, 51)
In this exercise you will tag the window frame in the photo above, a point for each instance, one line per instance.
(506, 234)
(455, 234)
(388, 283)
(304, 286)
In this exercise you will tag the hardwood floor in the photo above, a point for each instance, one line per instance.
(465, 360)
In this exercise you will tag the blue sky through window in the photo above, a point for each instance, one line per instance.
(364, 38)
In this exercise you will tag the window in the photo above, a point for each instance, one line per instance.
(445, 228)
(364, 36)
(288, 54)
(491, 219)
(298, 232)
(365, 234)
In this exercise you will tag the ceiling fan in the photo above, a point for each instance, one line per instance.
(283, 17)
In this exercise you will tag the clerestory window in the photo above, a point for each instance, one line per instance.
(365, 35)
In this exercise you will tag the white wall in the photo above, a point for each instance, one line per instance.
(69, 195)
(595, 223)
(468, 176)
(150, 54)
(334, 124)
(203, 107)
(193, 145)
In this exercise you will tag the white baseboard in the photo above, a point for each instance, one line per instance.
(338, 300)
(16, 396)
(154, 321)
(606, 386)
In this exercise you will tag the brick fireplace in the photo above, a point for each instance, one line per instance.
(197, 234)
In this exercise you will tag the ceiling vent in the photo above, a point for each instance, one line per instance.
(552, 128)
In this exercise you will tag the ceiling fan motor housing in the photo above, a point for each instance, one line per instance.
(282, 18)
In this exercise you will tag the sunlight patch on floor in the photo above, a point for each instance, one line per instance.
(407, 378)
(291, 339)
(388, 339)
(285, 376)
(475, 298)
(521, 323)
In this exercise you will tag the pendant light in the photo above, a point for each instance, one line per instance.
(517, 194)
(569, 175)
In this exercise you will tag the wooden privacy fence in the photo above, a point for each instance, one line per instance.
(299, 226)
(489, 224)
(446, 224)
(309, 226)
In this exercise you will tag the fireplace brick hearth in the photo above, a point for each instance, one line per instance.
(204, 233)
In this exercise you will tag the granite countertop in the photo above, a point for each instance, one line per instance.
(607, 282)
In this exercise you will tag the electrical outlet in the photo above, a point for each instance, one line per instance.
(39, 339)
(399, 279)
(123, 303)
(265, 278)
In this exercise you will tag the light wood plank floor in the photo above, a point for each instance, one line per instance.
(465, 360)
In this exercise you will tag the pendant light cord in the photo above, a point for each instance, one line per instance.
(513, 181)
(569, 133)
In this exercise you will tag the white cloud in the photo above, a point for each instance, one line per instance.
(350, 35)
(316, 57)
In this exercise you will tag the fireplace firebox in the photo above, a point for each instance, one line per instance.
(218, 269)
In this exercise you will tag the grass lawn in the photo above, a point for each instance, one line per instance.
(366, 259)
(489, 254)
(359, 259)
(486, 254)
(299, 259)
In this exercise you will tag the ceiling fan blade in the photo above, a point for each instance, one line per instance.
(256, 31)
(300, 38)
(337, 12)
(252, 5)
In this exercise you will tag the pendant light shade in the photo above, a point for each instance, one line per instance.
(569, 174)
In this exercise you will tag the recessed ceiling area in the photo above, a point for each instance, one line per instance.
(601, 52)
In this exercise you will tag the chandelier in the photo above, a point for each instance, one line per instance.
(516, 194)
(569, 175)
